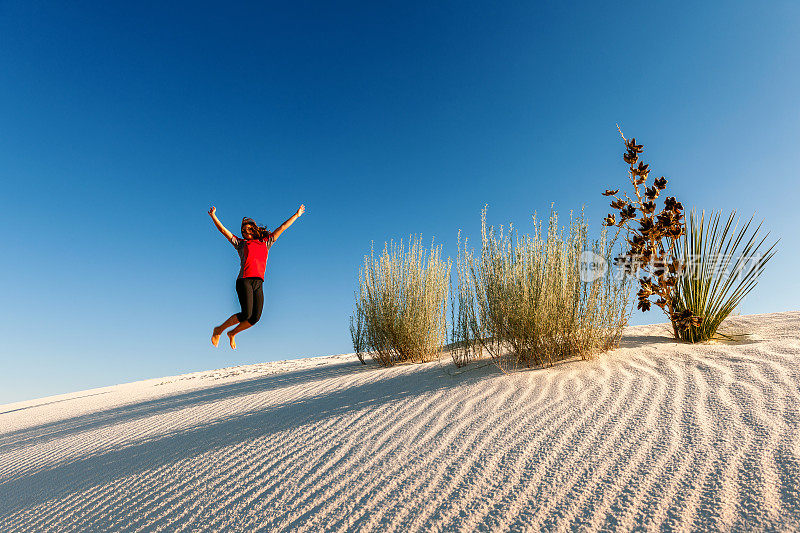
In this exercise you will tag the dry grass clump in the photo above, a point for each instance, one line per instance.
(721, 264)
(401, 304)
(524, 301)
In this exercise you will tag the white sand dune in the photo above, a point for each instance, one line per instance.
(655, 434)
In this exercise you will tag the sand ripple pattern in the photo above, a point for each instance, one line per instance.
(656, 436)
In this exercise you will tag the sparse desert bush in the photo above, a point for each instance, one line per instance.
(721, 263)
(401, 304)
(523, 301)
(357, 336)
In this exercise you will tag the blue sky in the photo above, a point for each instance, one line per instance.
(122, 122)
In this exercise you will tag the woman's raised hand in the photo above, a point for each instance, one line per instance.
(212, 210)
(301, 210)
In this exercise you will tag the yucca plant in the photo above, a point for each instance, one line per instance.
(522, 299)
(401, 304)
(722, 261)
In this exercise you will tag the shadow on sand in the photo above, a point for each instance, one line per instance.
(57, 481)
(54, 401)
(29, 489)
(126, 413)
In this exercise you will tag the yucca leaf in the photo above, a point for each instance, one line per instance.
(722, 263)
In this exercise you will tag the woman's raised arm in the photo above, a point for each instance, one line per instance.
(282, 227)
(222, 229)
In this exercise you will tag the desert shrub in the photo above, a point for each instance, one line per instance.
(401, 304)
(357, 336)
(721, 263)
(523, 301)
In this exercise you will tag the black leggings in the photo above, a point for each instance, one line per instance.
(251, 298)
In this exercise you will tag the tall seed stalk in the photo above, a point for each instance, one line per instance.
(652, 237)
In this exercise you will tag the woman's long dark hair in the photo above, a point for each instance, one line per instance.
(260, 232)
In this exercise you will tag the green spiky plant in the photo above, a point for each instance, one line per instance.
(401, 304)
(722, 261)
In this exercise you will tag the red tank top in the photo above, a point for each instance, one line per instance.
(253, 255)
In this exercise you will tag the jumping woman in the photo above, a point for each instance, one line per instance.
(253, 247)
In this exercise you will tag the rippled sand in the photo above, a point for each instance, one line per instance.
(655, 434)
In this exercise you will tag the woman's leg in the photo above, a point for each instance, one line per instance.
(232, 321)
(258, 303)
(246, 301)
(238, 329)
(245, 290)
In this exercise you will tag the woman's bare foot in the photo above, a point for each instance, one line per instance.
(215, 336)
(231, 336)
